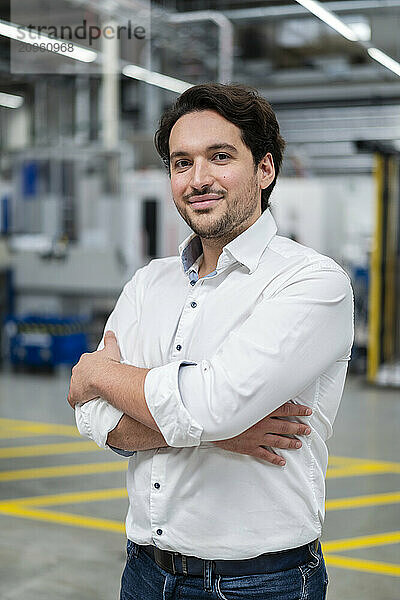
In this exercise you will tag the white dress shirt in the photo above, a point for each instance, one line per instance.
(273, 322)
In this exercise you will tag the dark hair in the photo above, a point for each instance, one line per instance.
(241, 105)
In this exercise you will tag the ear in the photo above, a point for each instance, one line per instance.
(266, 171)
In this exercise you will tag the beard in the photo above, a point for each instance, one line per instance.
(238, 211)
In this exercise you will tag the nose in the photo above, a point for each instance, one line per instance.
(201, 174)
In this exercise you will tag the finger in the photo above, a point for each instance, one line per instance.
(111, 347)
(270, 457)
(292, 410)
(283, 427)
(286, 443)
(109, 337)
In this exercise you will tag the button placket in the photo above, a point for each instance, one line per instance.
(185, 324)
(157, 493)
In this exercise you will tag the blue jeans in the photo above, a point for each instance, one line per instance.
(143, 579)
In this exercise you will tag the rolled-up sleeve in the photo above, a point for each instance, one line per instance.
(163, 399)
(97, 418)
(288, 341)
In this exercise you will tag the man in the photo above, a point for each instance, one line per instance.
(212, 344)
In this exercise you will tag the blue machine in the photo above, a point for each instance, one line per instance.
(46, 341)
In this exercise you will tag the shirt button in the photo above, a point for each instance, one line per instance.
(193, 304)
(178, 347)
(159, 531)
(157, 486)
(192, 282)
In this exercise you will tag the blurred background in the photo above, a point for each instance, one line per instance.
(85, 201)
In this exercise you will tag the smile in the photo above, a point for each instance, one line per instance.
(206, 201)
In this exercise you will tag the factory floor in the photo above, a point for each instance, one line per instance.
(63, 502)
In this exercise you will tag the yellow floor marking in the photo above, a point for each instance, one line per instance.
(12, 509)
(342, 461)
(364, 541)
(360, 501)
(69, 498)
(339, 466)
(9, 426)
(347, 466)
(20, 510)
(47, 449)
(353, 459)
(110, 494)
(11, 434)
(63, 471)
(357, 564)
(8, 422)
(371, 468)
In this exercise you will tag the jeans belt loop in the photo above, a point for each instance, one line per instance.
(173, 563)
(184, 564)
(208, 567)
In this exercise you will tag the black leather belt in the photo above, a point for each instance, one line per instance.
(180, 564)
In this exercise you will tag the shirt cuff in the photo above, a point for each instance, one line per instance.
(163, 398)
(96, 419)
(122, 452)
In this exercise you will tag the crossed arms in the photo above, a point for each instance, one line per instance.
(101, 374)
(272, 431)
(286, 343)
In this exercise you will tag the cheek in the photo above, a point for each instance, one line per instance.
(178, 187)
(231, 180)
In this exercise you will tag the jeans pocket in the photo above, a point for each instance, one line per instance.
(282, 585)
(314, 575)
(314, 561)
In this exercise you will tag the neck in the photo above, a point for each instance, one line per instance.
(212, 247)
(212, 250)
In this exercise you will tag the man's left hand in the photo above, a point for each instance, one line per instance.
(91, 366)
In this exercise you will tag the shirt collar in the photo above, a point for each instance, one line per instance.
(247, 248)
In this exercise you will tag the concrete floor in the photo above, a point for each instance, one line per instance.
(70, 545)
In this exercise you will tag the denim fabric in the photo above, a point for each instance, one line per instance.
(143, 579)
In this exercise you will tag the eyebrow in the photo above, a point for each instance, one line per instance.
(218, 146)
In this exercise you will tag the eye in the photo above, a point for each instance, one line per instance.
(221, 156)
(182, 163)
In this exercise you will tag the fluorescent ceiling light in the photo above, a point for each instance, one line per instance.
(30, 36)
(362, 29)
(163, 81)
(329, 18)
(10, 100)
(385, 60)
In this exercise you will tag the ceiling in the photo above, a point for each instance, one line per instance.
(327, 91)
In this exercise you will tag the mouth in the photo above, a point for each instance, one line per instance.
(204, 201)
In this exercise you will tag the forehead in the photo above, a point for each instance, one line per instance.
(202, 129)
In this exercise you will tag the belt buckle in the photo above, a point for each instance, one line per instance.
(162, 557)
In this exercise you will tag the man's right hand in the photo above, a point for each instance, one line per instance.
(274, 430)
